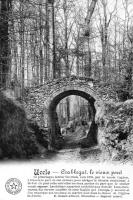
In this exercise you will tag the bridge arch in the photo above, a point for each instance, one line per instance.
(52, 115)
(56, 96)
(45, 98)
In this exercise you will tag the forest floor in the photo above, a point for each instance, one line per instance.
(72, 151)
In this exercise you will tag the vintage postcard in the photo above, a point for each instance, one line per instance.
(66, 99)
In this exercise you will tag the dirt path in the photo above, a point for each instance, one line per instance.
(73, 152)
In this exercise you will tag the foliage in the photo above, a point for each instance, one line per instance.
(116, 130)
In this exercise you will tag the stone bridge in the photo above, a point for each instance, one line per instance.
(41, 101)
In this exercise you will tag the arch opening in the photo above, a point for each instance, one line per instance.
(54, 127)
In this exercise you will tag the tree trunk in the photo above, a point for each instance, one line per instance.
(40, 45)
(54, 48)
(104, 41)
(4, 42)
(47, 72)
(129, 71)
(22, 58)
(88, 61)
(66, 38)
(67, 109)
(90, 11)
(89, 15)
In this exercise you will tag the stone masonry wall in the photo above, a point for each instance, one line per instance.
(36, 97)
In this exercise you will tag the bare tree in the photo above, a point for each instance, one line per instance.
(90, 11)
(104, 26)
